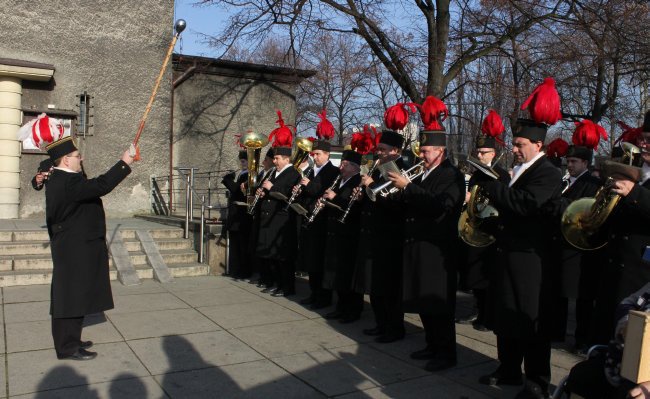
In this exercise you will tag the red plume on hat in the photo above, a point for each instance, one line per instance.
(41, 131)
(544, 103)
(363, 143)
(588, 134)
(557, 148)
(630, 134)
(325, 129)
(493, 126)
(282, 134)
(397, 117)
(433, 111)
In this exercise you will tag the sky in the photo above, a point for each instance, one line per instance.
(204, 20)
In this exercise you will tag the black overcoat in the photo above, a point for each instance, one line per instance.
(378, 266)
(238, 217)
(477, 264)
(521, 286)
(432, 207)
(313, 235)
(277, 229)
(77, 227)
(578, 272)
(342, 238)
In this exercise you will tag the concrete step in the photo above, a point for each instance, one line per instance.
(27, 247)
(39, 276)
(41, 235)
(5, 236)
(44, 262)
(163, 244)
(30, 235)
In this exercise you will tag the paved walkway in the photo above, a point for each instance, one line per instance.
(39, 224)
(212, 337)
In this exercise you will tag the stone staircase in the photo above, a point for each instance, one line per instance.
(25, 257)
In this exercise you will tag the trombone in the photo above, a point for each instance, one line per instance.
(387, 188)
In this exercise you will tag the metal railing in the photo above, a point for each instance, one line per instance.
(172, 194)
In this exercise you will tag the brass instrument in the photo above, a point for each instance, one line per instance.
(253, 142)
(320, 204)
(387, 188)
(355, 195)
(477, 211)
(251, 208)
(303, 147)
(582, 220)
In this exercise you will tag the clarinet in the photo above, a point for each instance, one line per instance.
(295, 194)
(566, 182)
(251, 208)
(356, 194)
(320, 204)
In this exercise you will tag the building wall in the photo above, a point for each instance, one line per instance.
(114, 51)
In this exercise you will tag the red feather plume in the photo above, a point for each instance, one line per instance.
(363, 143)
(325, 129)
(282, 134)
(630, 134)
(544, 103)
(557, 148)
(588, 134)
(397, 117)
(433, 111)
(493, 126)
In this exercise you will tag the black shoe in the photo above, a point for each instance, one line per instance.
(320, 305)
(424, 354)
(268, 289)
(387, 338)
(498, 378)
(80, 354)
(260, 284)
(478, 326)
(86, 344)
(307, 301)
(467, 319)
(333, 315)
(439, 364)
(533, 390)
(277, 292)
(347, 319)
(373, 331)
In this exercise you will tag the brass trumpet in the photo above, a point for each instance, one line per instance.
(387, 188)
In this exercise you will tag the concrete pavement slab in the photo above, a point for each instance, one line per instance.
(26, 293)
(216, 296)
(192, 351)
(35, 335)
(469, 375)
(3, 382)
(249, 314)
(147, 287)
(41, 370)
(282, 339)
(347, 369)
(261, 379)
(123, 387)
(146, 302)
(197, 283)
(161, 323)
(27, 311)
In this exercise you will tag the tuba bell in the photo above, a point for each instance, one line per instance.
(253, 142)
(303, 147)
(582, 221)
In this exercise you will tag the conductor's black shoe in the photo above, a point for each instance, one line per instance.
(424, 354)
(373, 331)
(333, 315)
(498, 378)
(86, 344)
(307, 301)
(387, 338)
(80, 354)
(467, 319)
(439, 364)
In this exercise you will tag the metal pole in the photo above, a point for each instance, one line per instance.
(201, 229)
(191, 196)
(188, 198)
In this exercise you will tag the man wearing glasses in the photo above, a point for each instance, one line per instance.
(77, 227)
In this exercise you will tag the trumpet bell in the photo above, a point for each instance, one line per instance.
(573, 228)
(471, 235)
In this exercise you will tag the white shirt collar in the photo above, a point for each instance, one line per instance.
(521, 168)
(318, 168)
(427, 172)
(573, 179)
(342, 183)
(287, 166)
(65, 169)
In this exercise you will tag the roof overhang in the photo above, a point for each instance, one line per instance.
(26, 70)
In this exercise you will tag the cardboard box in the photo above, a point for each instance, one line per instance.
(636, 354)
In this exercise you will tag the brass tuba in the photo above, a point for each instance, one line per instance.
(254, 142)
(582, 220)
(303, 147)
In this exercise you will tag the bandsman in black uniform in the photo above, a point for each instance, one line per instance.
(433, 203)
(312, 236)
(77, 227)
(579, 271)
(521, 282)
(342, 241)
(478, 264)
(378, 266)
(238, 224)
(627, 268)
(42, 174)
(277, 241)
